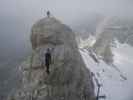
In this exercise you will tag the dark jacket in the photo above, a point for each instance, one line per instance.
(47, 58)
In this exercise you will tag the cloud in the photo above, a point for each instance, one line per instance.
(64, 7)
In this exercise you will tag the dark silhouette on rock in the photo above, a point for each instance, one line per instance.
(47, 60)
(48, 14)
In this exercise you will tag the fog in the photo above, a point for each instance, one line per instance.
(17, 17)
(66, 10)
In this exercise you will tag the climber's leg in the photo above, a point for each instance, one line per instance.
(47, 68)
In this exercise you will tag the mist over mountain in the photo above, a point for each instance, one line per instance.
(87, 25)
(13, 36)
(13, 49)
(84, 17)
(121, 28)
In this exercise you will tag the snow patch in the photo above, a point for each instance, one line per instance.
(113, 86)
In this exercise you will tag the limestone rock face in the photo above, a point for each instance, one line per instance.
(69, 79)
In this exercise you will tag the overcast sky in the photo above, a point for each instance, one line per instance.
(64, 9)
(17, 16)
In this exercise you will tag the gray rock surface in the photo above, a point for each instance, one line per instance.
(69, 79)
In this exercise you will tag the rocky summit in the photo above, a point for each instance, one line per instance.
(69, 79)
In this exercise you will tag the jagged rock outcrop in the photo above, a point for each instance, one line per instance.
(69, 79)
(104, 39)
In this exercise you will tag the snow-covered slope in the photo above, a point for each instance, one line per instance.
(115, 86)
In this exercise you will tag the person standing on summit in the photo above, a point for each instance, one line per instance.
(48, 14)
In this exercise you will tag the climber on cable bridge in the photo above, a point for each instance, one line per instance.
(47, 60)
